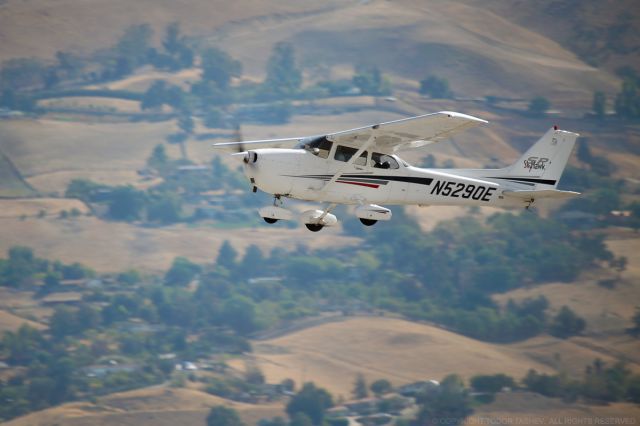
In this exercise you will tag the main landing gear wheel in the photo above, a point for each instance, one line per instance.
(368, 222)
(313, 227)
(270, 220)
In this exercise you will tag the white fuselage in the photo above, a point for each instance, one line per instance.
(303, 175)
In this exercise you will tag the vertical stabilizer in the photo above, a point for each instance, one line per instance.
(545, 161)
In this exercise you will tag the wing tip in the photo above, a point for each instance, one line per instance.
(465, 116)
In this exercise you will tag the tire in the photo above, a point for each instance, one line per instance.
(313, 227)
(270, 220)
(368, 222)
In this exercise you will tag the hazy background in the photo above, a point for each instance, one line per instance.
(139, 286)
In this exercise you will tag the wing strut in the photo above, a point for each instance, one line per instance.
(353, 158)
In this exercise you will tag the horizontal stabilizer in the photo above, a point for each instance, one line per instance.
(543, 193)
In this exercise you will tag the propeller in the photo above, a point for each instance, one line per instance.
(247, 156)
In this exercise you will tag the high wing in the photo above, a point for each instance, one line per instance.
(266, 143)
(408, 133)
(391, 136)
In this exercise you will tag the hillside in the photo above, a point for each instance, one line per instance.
(603, 33)
(43, 28)
(117, 246)
(160, 406)
(332, 354)
(528, 408)
(479, 51)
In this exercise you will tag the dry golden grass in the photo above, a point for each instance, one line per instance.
(11, 322)
(33, 206)
(143, 79)
(480, 52)
(157, 405)
(332, 354)
(46, 146)
(116, 246)
(606, 310)
(57, 182)
(34, 28)
(523, 408)
(118, 105)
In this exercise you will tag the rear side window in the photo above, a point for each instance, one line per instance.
(344, 153)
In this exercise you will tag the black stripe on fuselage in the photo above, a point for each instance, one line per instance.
(409, 179)
(375, 178)
(527, 180)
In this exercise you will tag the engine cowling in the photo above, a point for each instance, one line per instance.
(312, 217)
(373, 212)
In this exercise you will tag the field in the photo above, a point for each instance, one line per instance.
(11, 183)
(523, 408)
(488, 48)
(156, 405)
(117, 246)
(332, 354)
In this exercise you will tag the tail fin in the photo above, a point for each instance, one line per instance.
(545, 161)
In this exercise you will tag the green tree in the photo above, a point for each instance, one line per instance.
(164, 207)
(360, 390)
(155, 96)
(82, 189)
(635, 329)
(126, 203)
(20, 267)
(23, 346)
(584, 152)
(300, 419)
(254, 375)
(492, 383)
(252, 262)
(219, 67)
(627, 103)
(64, 322)
(284, 78)
(158, 159)
(599, 104)
(538, 106)
(133, 48)
(227, 256)
(182, 272)
(239, 313)
(436, 87)
(370, 81)
(311, 401)
(380, 387)
(223, 416)
(566, 324)
(22, 73)
(449, 403)
(52, 280)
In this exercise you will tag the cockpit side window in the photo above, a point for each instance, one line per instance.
(344, 153)
(319, 147)
(384, 161)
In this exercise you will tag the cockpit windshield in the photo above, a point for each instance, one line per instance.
(383, 161)
(319, 146)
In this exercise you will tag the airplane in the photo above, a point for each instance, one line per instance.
(361, 167)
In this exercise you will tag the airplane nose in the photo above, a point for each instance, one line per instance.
(250, 157)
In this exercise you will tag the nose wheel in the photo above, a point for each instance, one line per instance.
(270, 220)
(314, 227)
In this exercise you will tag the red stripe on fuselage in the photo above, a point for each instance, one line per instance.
(368, 185)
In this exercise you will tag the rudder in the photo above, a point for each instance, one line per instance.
(545, 161)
